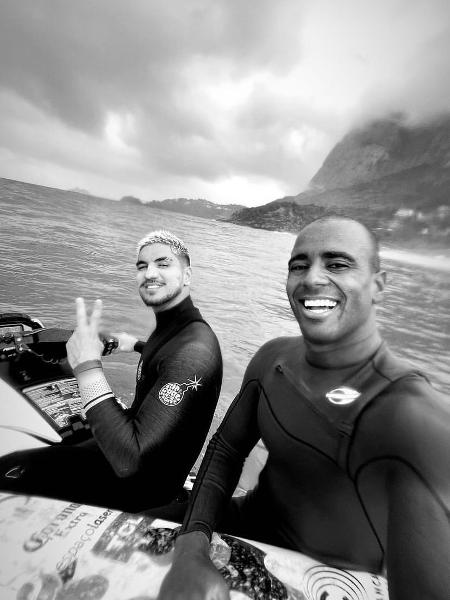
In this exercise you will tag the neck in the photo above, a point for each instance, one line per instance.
(172, 303)
(344, 354)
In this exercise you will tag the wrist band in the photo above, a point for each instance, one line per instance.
(94, 402)
(87, 365)
(95, 391)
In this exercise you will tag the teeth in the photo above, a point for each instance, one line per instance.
(320, 303)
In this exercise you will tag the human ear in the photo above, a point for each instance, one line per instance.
(379, 282)
(187, 276)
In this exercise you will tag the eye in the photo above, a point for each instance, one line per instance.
(337, 265)
(141, 266)
(296, 267)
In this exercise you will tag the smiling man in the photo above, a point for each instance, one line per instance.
(334, 284)
(163, 271)
(139, 457)
(357, 473)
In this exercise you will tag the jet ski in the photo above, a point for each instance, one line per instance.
(40, 402)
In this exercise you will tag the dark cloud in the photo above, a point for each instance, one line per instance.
(200, 86)
(77, 58)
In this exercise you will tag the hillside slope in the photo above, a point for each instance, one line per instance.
(395, 178)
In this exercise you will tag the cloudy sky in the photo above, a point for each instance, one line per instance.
(230, 100)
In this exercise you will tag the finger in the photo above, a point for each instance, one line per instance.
(96, 314)
(81, 312)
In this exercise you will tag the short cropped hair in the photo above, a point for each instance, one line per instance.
(162, 236)
(374, 243)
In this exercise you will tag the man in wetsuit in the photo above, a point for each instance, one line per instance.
(358, 469)
(139, 458)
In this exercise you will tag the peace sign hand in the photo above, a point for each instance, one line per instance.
(85, 343)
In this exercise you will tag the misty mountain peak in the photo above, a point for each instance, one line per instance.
(383, 147)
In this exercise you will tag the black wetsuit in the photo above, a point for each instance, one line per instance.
(323, 490)
(151, 447)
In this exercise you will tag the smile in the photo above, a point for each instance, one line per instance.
(152, 286)
(318, 305)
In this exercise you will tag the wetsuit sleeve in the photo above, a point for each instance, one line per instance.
(222, 465)
(418, 539)
(166, 434)
(139, 346)
(419, 497)
(408, 430)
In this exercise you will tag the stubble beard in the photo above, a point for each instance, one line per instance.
(154, 301)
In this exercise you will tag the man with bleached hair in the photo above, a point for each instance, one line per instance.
(139, 457)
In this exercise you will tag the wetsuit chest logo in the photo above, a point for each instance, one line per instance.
(342, 395)
(172, 394)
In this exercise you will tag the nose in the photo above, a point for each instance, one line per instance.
(315, 275)
(151, 272)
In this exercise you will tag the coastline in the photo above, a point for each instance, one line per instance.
(434, 258)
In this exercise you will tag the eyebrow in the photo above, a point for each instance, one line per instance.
(330, 254)
(156, 260)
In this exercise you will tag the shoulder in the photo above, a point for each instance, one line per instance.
(195, 344)
(410, 422)
(409, 406)
(411, 400)
(419, 426)
(408, 400)
(273, 351)
(196, 333)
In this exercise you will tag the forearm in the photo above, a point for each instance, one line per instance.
(222, 465)
(114, 432)
(102, 411)
(216, 480)
(110, 425)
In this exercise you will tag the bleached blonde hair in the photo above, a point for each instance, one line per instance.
(161, 236)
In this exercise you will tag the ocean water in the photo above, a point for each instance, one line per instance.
(56, 246)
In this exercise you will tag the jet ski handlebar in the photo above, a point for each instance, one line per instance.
(20, 334)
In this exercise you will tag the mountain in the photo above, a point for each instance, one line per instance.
(131, 200)
(392, 176)
(197, 207)
(384, 148)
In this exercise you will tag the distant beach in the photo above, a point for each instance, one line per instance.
(434, 258)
